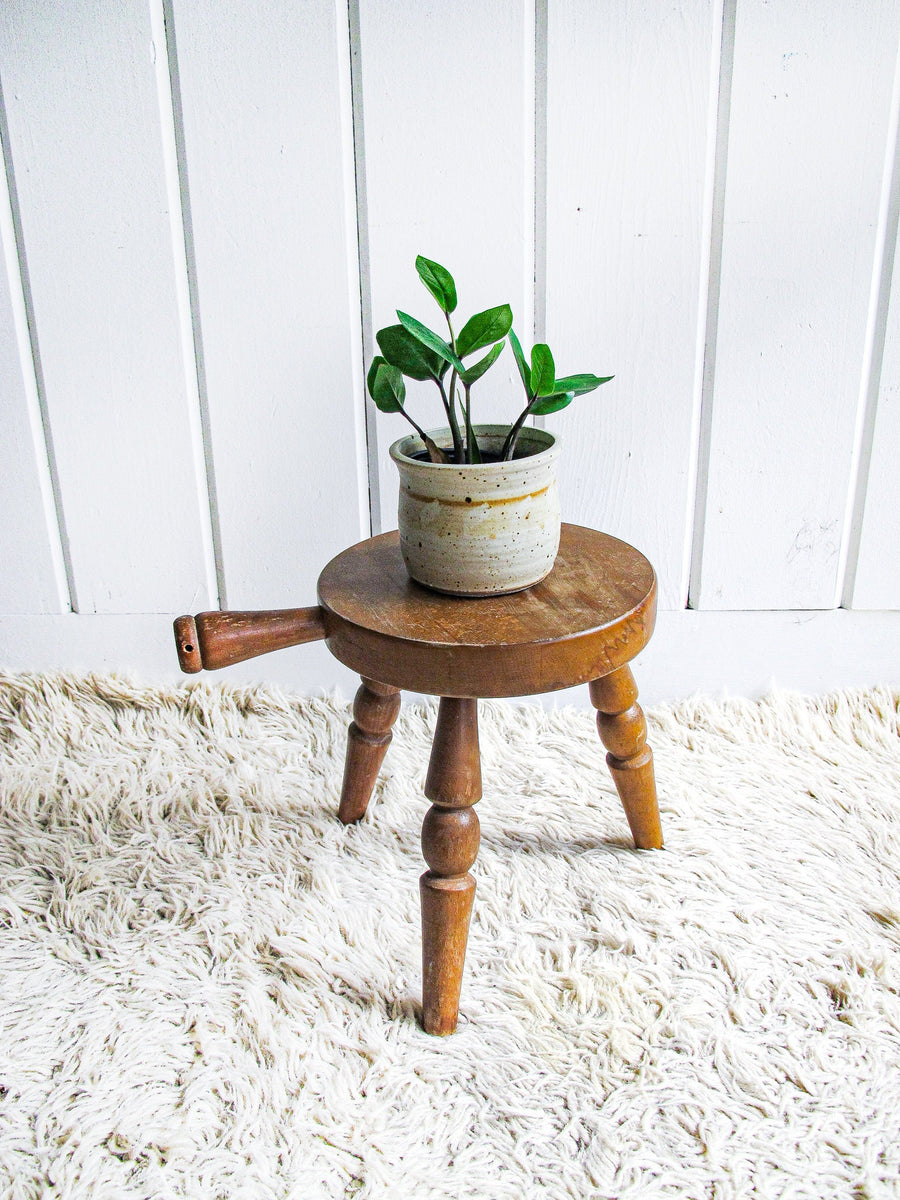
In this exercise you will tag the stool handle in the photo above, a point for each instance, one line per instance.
(211, 640)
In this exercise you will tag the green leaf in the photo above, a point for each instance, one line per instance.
(403, 350)
(524, 370)
(543, 372)
(377, 362)
(581, 384)
(430, 339)
(472, 373)
(552, 404)
(388, 388)
(482, 329)
(439, 282)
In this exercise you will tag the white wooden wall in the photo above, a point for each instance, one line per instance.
(209, 208)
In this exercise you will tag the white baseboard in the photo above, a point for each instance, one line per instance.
(736, 653)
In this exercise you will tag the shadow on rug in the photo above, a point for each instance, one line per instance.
(209, 987)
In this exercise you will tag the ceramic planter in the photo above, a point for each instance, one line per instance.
(479, 529)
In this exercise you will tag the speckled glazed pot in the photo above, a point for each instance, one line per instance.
(479, 530)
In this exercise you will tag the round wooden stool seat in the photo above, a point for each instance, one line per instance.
(592, 614)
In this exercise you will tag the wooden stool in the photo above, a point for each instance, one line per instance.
(582, 624)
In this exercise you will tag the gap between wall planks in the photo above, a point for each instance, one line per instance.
(537, 179)
(367, 344)
(718, 120)
(872, 575)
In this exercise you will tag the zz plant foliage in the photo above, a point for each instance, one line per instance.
(413, 350)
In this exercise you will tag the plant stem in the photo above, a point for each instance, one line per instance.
(453, 378)
(418, 428)
(470, 436)
(454, 424)
(509, 446)
(425, 439)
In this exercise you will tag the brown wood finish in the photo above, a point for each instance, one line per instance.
(593, 613)
(187, 645)
(375, 710)
(450, 838)
(212, 640)
(583, 623)
(623, 731)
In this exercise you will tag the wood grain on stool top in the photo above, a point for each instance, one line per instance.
(594, 612)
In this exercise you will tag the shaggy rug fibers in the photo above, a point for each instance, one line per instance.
(209, 988)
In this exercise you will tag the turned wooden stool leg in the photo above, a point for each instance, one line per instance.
(450, 837)
(623, 731)
(374, 712)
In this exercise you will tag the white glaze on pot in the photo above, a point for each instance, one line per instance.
(479, 529)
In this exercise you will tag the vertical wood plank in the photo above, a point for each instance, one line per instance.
(84, 127)
(32, 573)
(448, 98)
(262, 93)
(810, 105)
(628, 99)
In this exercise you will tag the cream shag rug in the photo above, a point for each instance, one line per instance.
(209, 988)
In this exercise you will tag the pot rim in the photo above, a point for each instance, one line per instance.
(398, 449)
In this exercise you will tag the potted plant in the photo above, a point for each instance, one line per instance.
(479, 507)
